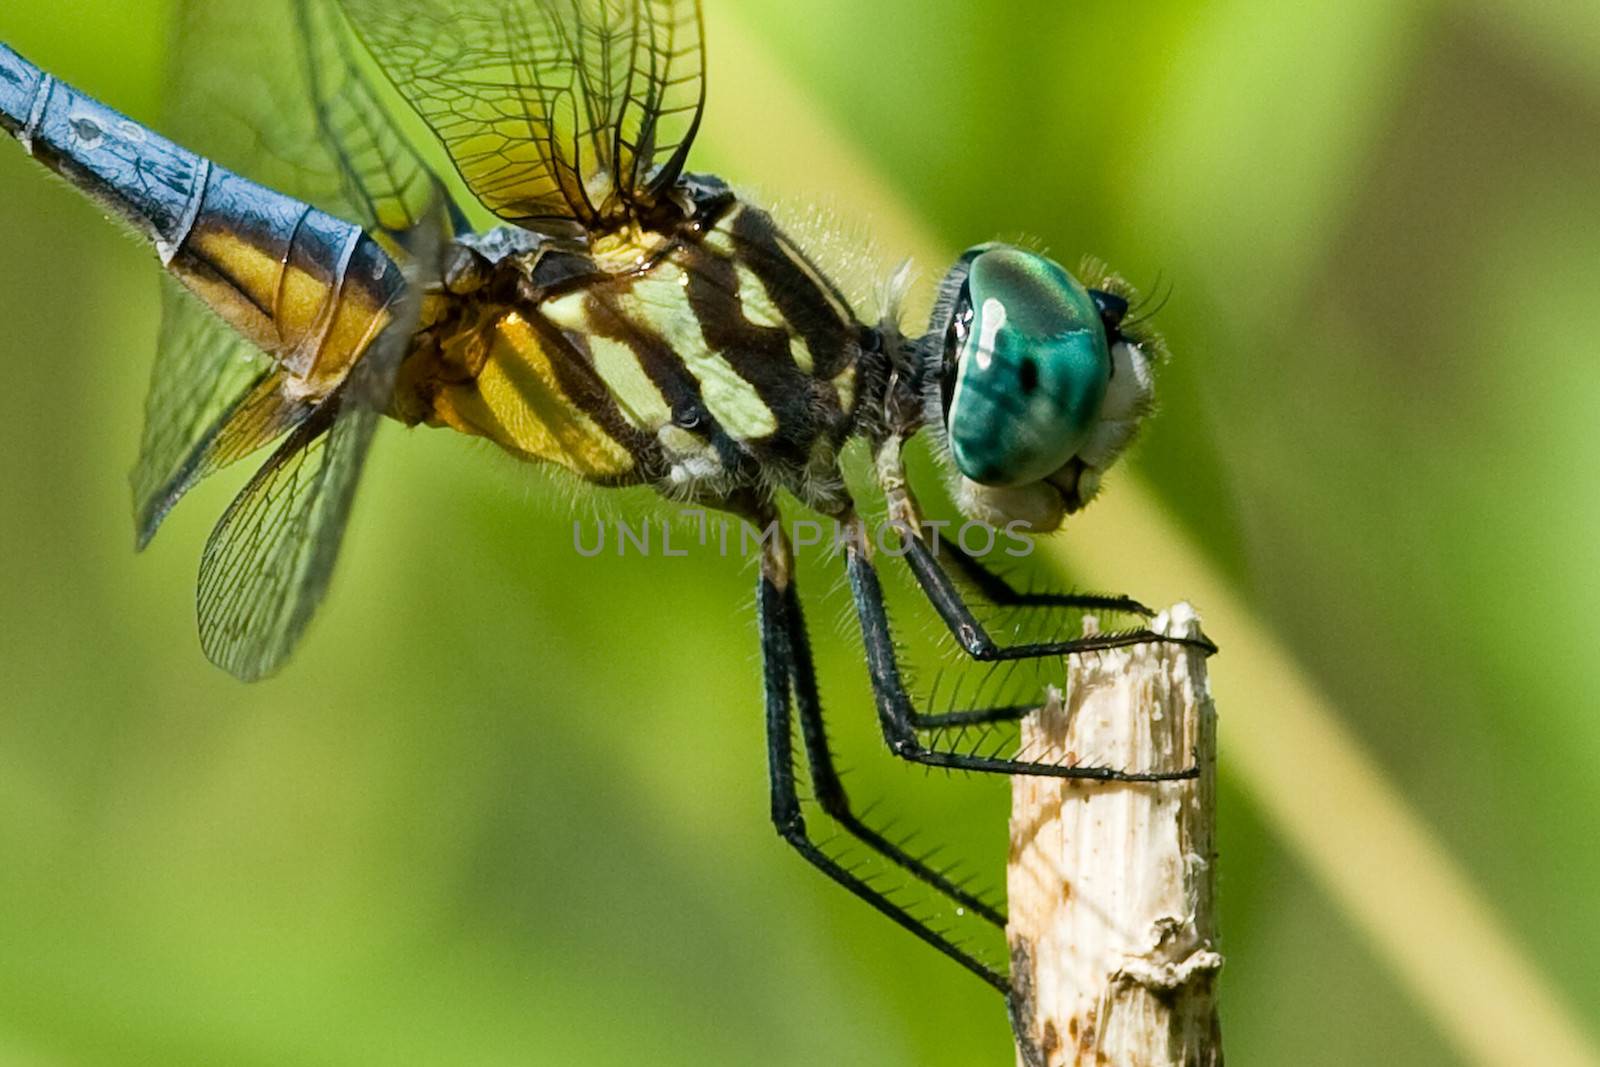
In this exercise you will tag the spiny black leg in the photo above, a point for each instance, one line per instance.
(975, 640)
(997, 590)
(923, 720)
(778, 655)
(828, 788)
(897, 715)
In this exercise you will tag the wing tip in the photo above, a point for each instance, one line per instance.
(248, 673)
(148, 514)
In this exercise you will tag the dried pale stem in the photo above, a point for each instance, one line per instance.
(1112, 885)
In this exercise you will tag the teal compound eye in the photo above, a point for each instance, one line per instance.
(1028, 347)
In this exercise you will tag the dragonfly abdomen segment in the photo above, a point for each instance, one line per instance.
(147, 180)
(307, 288)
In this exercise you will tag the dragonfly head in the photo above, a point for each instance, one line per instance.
(1040, 387)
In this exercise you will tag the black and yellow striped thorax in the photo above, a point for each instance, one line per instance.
(702, 360)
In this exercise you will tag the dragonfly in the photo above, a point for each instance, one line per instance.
(622, 318)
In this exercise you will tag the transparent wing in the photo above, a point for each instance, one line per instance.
(269, 559)
(384, 182)
(560, 115)
(275, 90)
(267, 563)
(202, 370)
(281, 92)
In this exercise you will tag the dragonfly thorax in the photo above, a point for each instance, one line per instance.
(709, 359)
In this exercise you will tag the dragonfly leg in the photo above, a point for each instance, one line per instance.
(786, 655)
(943, 593)
(829, 790)
(900, 721)
(923, 720)
(946, 597)
(999, 591)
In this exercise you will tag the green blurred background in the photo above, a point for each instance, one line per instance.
(507, 806)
